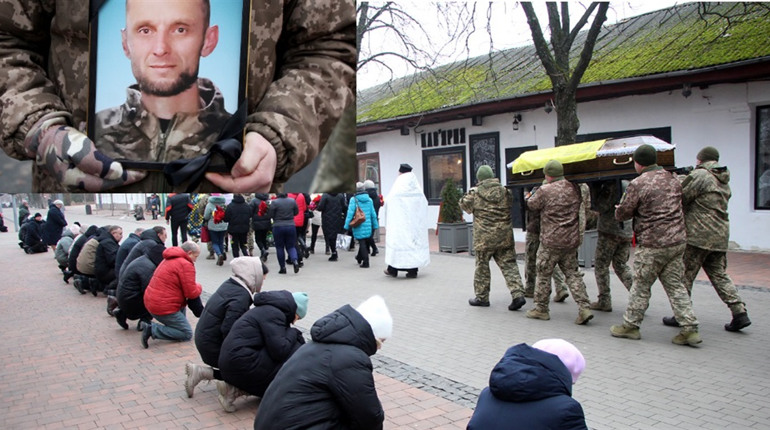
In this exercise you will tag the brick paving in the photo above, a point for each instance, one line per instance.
(66, 364)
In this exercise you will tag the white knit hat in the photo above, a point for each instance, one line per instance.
(376, 313)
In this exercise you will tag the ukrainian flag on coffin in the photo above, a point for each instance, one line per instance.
(534, 160)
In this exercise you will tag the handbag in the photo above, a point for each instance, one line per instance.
(358, 216)
(205, 234)
(343, 242)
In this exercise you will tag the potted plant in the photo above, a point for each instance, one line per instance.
(453, 234)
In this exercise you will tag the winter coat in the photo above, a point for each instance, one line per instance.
(54, 223)
(260, 222)
(178, 207)
(559, 205)
(231, 300)
(328, 383)
(375, 199)
(125, 248)
(333, 210)
(238, 215)
(62, 251)
(363, 230)
(490, 205)
(133, 282)
(208, 214)
(87, 258)
(104, 261)
(172, 284)
(77, 247)
(148, 239)
(528, 389)
(31, 232)
(705, 193)
(260, 342)
(299, 217)
(282, 211)
(23, 214)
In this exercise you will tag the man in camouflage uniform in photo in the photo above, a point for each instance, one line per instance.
(559, 203)
(300, 79)
(654, 201)
(705, 193)
(490, 204)
(532, 241)
(613, 245)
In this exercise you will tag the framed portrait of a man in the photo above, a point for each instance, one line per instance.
(166, 77)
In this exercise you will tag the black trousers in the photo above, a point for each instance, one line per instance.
(181, 225)
(239, 242)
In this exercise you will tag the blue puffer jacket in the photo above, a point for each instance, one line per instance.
(364, 230)
(528, 389)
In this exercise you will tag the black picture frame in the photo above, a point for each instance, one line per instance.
(484, 149)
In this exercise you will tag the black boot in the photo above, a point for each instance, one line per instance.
(67, 276)
(112, 303)
(670, 321)
(120, 317)
(333, 257)
(739, 322)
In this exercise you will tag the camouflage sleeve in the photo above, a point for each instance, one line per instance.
(536, 200)
(467, 202)
(26, 92)
(313, 86)
(628, 203)
(694, 185)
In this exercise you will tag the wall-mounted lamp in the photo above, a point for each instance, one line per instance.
(477, 120)
(686, 90)
(516, 121)
(549, 106)
(404, 130)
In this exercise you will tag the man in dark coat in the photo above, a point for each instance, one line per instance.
(332, 208)
(531, 388)
(238, 217)
(104, 264)
(132, 283)
(30, 235)
(178, 208)
(23, 212)
(328, 383)
(126, 247)
(231, 300)
(149, 238)
(54, 224)
(260, 222)
(258, 344)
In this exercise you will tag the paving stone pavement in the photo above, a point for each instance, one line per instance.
(66, 364)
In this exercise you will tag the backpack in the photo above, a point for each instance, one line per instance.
(219, 214)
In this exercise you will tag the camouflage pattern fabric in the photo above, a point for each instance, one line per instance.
(611, 249)
(532, 242)
(654, 201)
(665, 264)
(714, 263)
(604, 196)
(559, 206)
(300, 76)
(565, 258)
(490, 204)
(705, 193)
(506, 260)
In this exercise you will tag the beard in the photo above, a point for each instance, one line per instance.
(182, 83)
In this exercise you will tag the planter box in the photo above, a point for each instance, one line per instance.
(454, 238)
(587, 250)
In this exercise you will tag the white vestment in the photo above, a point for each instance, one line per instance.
(406, 222)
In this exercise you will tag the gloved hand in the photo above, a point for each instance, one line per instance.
(196, 306)
(71, 157)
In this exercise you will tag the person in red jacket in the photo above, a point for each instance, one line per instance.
(171, 289)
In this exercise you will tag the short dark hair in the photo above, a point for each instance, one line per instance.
(159, 229)
(206, 12)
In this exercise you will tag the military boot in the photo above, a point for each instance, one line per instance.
(561, 296)
(625, 331)
(584, 315)
(687, 337)
(538, 314)
(739, 322)
(227, 394)
(603, 304)
(195, 374)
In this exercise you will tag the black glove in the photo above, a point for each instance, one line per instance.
(196, 306)
(300, 337)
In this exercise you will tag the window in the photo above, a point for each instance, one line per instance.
(440, 165)
(762, 170)
(369, 168)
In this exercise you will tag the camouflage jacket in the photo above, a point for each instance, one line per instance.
(705, 193)
(300, 77)
(490, 204)
(654, 201)
(131, 132)
(559, 204)
(604, 199)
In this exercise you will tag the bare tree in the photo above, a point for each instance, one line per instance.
(556, 59)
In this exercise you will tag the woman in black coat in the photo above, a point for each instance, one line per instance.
(54, 224)
(260, 222)
(231, 300)
(134, 279)
(328, 383)
(333, 208)
(238, 217)
(258, 345)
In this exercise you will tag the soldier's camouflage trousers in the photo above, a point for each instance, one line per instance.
(530, 267)
(566, 259)
(664, 264)
(714, 263)
(506, 260)
(615, 250)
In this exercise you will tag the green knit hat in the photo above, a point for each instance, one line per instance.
(708, 153)
(553, 169)
(646, 155)
(301, 300)
(484, 172)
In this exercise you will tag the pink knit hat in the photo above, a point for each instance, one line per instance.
(567, 353)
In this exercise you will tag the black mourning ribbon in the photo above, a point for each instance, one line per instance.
(192, 170)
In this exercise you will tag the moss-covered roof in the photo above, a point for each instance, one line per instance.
(669, 40)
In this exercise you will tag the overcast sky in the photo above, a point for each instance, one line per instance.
(508, 27)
